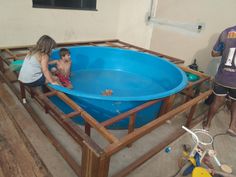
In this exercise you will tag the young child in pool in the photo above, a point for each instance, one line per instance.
(62, 70)
(34, 71)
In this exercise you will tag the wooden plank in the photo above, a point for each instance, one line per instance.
(172, 59)
(21, 54)
(193, 71)
(87, 128)
(75, 131)
(11, 54)
(131, 123)
(143, 158)
(17, 157)
(26, 47)
(96, 157)
(112, 44)
(131, 126)
(128, 113)
(9, 101)
(72, 114)
(153, 151)
(1, 173)
(167, 105)
(93, 164)
(138, 133)
(9, 165)
(2, 64)
(10, 75)
(175, 60)
(190, 115)
(88, 118)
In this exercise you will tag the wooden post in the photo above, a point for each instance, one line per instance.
(131, 125)
(192, 92)
(95, 160)
(2, 65)
(189, 92)
(87, 128)
(190, 115)
(167, 104)
(46, 108)
(22, 92)
(140, 132)
(94, 164)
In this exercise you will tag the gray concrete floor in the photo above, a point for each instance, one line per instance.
(161, 165)
(165, 164)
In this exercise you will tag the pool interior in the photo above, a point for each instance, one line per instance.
(121, 83)
(109, 81)
(103, 110)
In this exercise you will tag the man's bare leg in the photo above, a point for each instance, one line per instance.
(218, 101)
(232, 124)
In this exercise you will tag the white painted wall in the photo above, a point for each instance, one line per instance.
(125, 20)
(122, 19)
(216, 14)
(21, 24)
(132, 26)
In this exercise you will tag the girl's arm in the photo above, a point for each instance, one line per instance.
(52, 62)
(46, 72)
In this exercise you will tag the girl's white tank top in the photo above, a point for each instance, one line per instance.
(31, 70)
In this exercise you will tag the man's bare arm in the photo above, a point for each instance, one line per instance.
(215, 54)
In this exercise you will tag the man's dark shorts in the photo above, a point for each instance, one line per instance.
(220, 90)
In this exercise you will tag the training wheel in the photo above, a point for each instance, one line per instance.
(225, 168)
(200, 172)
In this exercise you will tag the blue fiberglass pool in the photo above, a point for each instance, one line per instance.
(132, 78)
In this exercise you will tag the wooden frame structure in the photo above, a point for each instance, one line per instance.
(95, 160)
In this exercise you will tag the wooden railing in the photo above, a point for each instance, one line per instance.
(96, 160)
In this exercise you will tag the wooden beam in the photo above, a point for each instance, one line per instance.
(26, 47)
(153, 151)
(190, 115)
(2, 69)
(138, 133)
(10, 53)
(193, 71)
(172, 59)
(76, 133)
(88, 118)
(94, 156)
(21, 54)
(167, 104)
(87, 129)
(131, 126)
(72, 114)
(112, 44)
(131, 123)
(17, 155)
(94, 165)
(44, 129)
(128, 113)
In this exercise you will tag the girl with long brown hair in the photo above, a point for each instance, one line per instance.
(34, 71)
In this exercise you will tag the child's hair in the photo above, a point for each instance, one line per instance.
(64, 51)
(44, 45)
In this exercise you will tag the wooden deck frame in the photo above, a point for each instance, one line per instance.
(96, 160)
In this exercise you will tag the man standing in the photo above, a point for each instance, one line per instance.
(225, 79)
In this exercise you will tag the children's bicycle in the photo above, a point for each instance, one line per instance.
(201, 153)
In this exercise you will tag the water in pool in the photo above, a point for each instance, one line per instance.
(121, 83)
